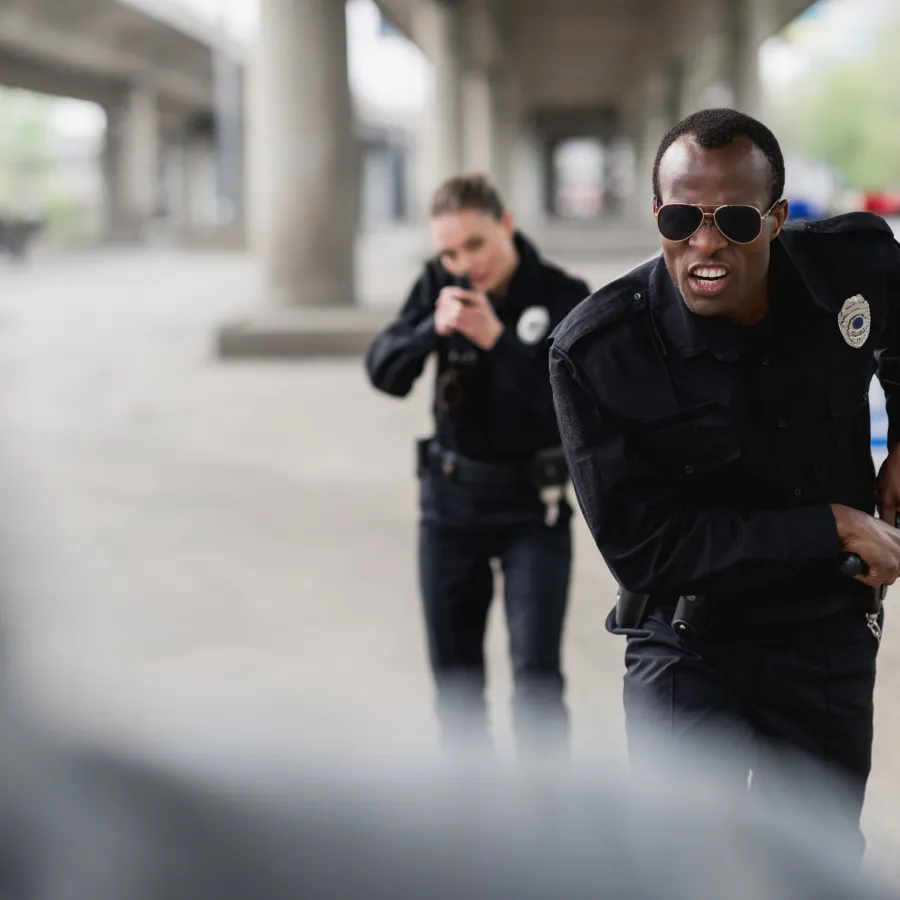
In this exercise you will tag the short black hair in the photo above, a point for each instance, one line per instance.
(713, 129)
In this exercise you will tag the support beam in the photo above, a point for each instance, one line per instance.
(132, 165)
(436, 27)
(307, 170)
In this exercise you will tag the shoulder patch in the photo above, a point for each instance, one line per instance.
(849, 222)
(619, 300)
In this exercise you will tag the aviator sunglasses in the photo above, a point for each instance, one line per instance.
(739, 224)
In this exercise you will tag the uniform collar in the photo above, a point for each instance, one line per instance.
(820, 283)
(692, 335)
(524, 286)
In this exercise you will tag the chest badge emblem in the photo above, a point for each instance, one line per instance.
(533, 324)
(855, 320)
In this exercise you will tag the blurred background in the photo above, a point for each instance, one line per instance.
(207, 209)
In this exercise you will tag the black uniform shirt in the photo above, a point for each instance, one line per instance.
(704, 455)
(506, 413)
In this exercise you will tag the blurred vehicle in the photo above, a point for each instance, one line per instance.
(882, 203)
(803, 209)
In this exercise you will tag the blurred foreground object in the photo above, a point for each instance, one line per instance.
(85, 823)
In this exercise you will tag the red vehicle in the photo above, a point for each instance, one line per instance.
(882, 203)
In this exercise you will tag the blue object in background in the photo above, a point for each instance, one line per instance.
(805, 209)
(879, 422)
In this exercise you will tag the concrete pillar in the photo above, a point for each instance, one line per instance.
(526, 183)
(490, 126)
(755, 21)
(200, 188)
(131, 165)
(436, 28)
(709, 60)
(304, 156)
(229, 119)
(722, 66)
(656, 120)
(175, 176)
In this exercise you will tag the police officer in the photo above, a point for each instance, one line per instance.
(493, 475)
(714, 410)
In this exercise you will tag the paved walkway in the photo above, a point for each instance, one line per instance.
(184, 540)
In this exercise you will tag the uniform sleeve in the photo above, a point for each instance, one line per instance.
(888, 351)
(650, 538)
(397, 356)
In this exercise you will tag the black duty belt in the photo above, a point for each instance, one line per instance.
(546, 469)
(699, 614)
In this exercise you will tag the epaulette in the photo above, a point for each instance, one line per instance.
(849, 222)
(618, 300)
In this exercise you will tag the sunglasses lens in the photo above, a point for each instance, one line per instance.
(741, 224)
(678, 221)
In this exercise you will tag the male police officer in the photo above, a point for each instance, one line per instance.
(714, 411)
(493, 476)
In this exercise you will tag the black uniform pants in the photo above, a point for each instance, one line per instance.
(793, 705)
(457, 584)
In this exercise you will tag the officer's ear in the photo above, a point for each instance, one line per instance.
(778, 217)
(508, 222)
(656, 204)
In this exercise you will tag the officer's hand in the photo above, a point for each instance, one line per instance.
(887, 489)
(447, 310)
(874, 541)
(478, 321)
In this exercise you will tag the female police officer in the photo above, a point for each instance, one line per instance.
(493, 476)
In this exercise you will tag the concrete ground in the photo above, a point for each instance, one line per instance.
(185, 541)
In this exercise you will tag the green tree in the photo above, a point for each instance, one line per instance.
(848, 115)
(26, 130)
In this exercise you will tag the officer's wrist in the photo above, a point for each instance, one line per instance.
(494, 338)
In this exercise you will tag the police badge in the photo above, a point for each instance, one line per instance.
(533, 324)
(855, 320)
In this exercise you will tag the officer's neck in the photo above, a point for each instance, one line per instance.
(754, 309)
(502, 288)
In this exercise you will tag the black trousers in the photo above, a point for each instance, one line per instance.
(793, 705)
(457, 585)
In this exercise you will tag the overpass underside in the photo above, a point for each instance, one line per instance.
(512, 79)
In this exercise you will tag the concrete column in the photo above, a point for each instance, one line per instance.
(526, 181)
(754, 22)
(490, 126)
(200, 194)
(440, 142)
(478, 104)
(304, 156)
(657, 119)
(175, 176)
(229, 118)
(709, 59)
(132, 171)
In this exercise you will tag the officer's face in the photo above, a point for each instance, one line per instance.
(716, 276)
(475, 244)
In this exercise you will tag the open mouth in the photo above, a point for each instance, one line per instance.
(708, 280)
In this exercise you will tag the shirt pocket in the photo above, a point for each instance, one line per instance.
(696, 444)
(847, 391)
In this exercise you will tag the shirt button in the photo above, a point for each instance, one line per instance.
(637, 296)
(782, 423)
(688, 470)
(766, 361)
(798, 492)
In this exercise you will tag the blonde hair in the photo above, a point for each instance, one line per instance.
(473, 191)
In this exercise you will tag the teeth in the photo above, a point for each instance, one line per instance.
(710, 273)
